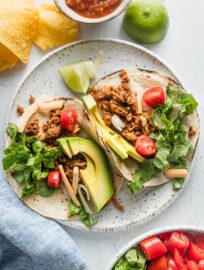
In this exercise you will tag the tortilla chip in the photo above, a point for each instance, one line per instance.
(18, 26)
(55, 29)
(7, 58)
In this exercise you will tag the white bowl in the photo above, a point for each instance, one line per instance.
(137, 240)
(76, 17)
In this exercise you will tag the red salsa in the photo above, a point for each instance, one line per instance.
(93, 8)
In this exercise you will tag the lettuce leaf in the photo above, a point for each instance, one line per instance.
(132, 260)
(142, 175)
(29, 161)
(85, 218)
(172, 142)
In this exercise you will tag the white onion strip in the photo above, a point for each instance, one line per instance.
(176, 173)
(117, 122)
(83, 200)
(75, 180)
(68, 186)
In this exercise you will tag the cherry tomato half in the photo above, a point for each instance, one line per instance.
(191, 265)
(179, 241)
(153, 247)
(195, 253)
(145, 146)
(201, 265)
(53, 179)
(154, 96)
(68, 119)
(158, 264)
(172, 265)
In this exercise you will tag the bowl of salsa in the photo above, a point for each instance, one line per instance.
(92, 11)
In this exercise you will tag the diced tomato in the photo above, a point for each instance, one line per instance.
(179, 260)
(53, 179)
(158, 264)
(172, 265)
(68, 119)
(145, 146)
(195, 253)
(191, 265)
(164, 236)
(201, 265)
(199, 240)
(154, 96)
(153, 247)
(179, 241)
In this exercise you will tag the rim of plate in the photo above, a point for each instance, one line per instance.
(121, 42)
(143, 236)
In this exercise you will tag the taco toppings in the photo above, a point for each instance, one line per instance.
(166, 251)
(154, 114)
(53, 157)
(140, 122)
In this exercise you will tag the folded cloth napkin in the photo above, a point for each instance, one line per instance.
(29, 241)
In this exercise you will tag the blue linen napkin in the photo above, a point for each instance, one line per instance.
(29, 241)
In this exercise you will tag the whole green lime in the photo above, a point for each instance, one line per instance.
(146, 21)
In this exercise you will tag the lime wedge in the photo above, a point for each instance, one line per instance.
(76, 77)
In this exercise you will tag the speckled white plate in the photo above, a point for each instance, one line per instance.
(44, 78)
(137, 240)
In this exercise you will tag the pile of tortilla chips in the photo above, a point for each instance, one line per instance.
(22, 24)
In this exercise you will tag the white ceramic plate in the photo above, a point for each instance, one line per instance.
(137, 240)
(44, 78)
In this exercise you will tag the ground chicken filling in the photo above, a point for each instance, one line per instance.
(52, 130)
(68, 165)
(119, 101)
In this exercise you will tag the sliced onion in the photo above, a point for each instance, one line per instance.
(176, 173)
(28, 112)
(117, 122)
(75, 180)
(45, 107)
(143, 120)
(83, 199)
(68, 186)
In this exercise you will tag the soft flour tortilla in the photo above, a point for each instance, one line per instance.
(139, 81)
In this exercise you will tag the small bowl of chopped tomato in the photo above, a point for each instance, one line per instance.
(178, 248)
(92, 11)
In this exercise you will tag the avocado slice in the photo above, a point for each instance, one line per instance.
(65, 146)
(97, 174)
(114, 140)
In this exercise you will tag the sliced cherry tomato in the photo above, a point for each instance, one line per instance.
(164, 236)
(158, 264)
(179, 260)
(68, 119)
(53, 179)
(153, 247)
(145, 146)
(154, 96)
(172, 265)
(201, 265)
(179, 241)
(199, 240)
(191, 265)
(195, 253)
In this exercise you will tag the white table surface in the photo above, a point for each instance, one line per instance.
(183, 49)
